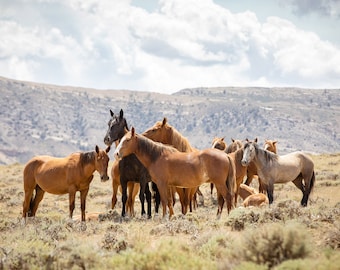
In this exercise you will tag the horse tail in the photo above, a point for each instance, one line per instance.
(231, 180)
(312, 181)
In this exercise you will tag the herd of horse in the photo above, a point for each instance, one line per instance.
(163, 157)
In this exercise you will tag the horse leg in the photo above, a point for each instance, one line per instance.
(135, 189)
(142, 196)
(83, 194)
(308, 188)
(170, 201)
(305, 191)
(270, 191)
(72, 197)
(123, 184)
(39, 194)
(163, 192)
(157, 197)
(28, 200)
(250, 176)
(262, 186)
(129, 208)
(114, 194)
(148, 199)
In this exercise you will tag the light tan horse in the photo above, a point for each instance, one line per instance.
(169, 167)
(258, 199)
(163, 132)
(61, 176)
(219, 143)
(272, 168)
(269, 145)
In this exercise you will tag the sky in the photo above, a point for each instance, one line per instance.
(168, 45)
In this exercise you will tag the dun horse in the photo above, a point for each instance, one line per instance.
(61, 176)
(169, 167)
(271, 168)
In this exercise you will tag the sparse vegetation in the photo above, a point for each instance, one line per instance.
(282, 236)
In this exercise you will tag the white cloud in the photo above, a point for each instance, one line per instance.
(112, 44)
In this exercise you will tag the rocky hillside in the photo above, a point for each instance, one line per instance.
(57, 120)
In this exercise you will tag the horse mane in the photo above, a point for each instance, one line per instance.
(179, 141)
(155, 149)
(86, 158)
(269, 156)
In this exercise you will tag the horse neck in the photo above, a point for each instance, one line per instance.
(88, 163)
(179, 142)
(145, 157)
(239, 154)
(121, 135)
(261, 158)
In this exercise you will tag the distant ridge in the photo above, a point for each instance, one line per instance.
(40, 118)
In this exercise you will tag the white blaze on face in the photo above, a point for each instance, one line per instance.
(116, 153)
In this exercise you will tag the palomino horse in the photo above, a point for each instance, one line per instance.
(272, 168)
(169, 167)
(129, 169)
(163, 132)
(62, 175)
(219, 143)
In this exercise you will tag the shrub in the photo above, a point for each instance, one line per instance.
(273, 244)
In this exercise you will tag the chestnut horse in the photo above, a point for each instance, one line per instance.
(163, 132)
(62, 175)
(272, 168)
(170, 167)
(129, 170)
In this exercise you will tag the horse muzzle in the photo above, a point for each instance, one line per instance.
(104, 178)
(244, 162)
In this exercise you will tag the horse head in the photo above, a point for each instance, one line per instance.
(219, 143)
(102, 162)
(117, 127)
(127, 145)
(158, 131)
(249, 152)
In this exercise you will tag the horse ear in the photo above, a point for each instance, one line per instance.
(255, 140)
(111, 112)
(222, 139)
(108, 149)
(164, 121)
(233, 140)
(247, 140)
(274, 142)
(97, 149)
(121, 114)
(133, 131)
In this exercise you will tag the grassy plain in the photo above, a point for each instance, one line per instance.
(282, 236)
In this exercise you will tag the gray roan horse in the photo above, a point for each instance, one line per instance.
(296, 167)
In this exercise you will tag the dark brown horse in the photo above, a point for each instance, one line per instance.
(61, 176)
(130, 168)
(169, 167)
(271, 168)
(163, 132)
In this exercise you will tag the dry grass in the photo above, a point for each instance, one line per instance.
(282, 236)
